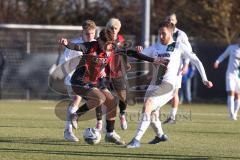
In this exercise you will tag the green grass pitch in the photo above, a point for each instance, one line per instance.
(31, 130)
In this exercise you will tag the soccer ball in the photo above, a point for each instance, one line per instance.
(91, 136)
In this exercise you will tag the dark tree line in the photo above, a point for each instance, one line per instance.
(212, 20)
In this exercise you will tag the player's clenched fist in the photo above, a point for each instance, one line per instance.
(63, 41)
(208, 84)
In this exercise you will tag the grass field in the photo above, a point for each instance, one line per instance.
(31, 130)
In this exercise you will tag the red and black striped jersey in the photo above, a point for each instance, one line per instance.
(117, 60)
(94, 60)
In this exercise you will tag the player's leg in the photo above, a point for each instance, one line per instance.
(231, 103)
(230, 88)
(120, 87)
(237, 104)
(157, 127)
(72, 108)
(173, 111)
(95, 98)
(99, 124)
(237, 98)
(76, 99)
(153, 99)
(111, 105)
(188, 90)
(175, 103)
(122, 108)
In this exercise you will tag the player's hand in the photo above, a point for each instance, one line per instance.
(63, 41)
(208, 84)
(216, 65)
(139, 49)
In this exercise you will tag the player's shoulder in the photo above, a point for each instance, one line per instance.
(231, 47)
(77, 40)
(181, 32)
(182, 46)
(120, 38)
(155, 46)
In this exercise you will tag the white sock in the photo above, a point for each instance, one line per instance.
(173, 112)
(156, 125)
(230, 102)
(237, 106)
(72, 109)
(68, 125)
(143, 125)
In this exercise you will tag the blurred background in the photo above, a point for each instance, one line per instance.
(29, 30)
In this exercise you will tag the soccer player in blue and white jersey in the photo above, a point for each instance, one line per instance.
(88, 34)
(163, 83)
(181, 37)
(232, 77)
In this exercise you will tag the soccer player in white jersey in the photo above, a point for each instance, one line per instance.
(181, 37)
(162, 86)
(232, 77)
(88, 34)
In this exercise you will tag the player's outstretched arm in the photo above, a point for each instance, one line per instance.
(140, 56)
(194, 59)
(70, 45)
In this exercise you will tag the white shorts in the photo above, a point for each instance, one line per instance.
(178, 82)
(232, 83)
(159, 95)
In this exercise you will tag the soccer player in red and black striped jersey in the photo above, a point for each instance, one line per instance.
(87, 78)
(118, 65)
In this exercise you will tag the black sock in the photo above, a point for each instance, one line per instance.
(122, 107)
(99, 113)
(110, 125)
(83, 109)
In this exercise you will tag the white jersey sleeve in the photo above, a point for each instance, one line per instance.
(187, 53)
(69, 54)
(183, 38)
(225, 54)
(148, 51)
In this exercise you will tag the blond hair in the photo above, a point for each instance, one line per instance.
(113, 22)
(89, 25)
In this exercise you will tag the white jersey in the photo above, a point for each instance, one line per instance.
(181, 37)
(69, 54)
(172, 53)
(233, 51)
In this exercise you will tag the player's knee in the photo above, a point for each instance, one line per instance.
(100, 100)
(154, 116)
(97, 98)
(148, 102)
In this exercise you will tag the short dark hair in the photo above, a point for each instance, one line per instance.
(166, 24)
(106, 35)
